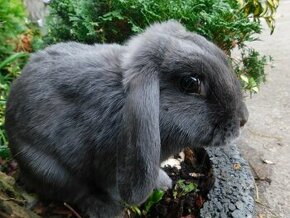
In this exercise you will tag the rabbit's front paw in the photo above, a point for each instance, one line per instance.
(164, 182)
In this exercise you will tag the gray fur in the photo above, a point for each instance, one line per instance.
(90, 124)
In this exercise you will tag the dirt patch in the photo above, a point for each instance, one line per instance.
(192, 181)
(191, 184)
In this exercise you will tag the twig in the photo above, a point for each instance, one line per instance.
(257, 175)
(257, 192)
(13, 199)
(261, 203)
(265, 136)
(265, 205)
(258, 200)
(268, 208)
(72, 210)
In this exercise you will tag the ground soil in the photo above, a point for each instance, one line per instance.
(194, 169)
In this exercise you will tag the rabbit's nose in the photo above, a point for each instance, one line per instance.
(243, 122)
(244, 115)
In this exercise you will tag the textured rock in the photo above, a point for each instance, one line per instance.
(233, 189)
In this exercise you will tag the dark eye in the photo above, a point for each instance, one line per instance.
(190, 84)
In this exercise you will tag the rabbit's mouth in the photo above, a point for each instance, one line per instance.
(225, 135)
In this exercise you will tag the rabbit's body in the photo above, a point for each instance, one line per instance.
(70, 121)
(90, 124)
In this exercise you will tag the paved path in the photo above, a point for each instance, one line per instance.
(267, 135)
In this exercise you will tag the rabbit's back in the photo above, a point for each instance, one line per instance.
(67, 104)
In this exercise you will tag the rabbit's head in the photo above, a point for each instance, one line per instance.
(179, 91)
(186, 85)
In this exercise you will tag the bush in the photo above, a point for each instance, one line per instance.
(16, 37)
(12, 24)
(228, 23)
(114, 21)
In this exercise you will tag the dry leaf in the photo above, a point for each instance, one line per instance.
(196, 175)
(171, 162)
(189, 156)
(268, 162)
(237, 166)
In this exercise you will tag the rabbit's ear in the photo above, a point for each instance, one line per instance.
(139, 152)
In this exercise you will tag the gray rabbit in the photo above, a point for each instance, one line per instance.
(89, 125)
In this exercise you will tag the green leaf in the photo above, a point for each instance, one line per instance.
(136, 210)
(154, 198)
(4, 150)
(252, 82)
(136, 29)
(244, 78)
(183, 188)
(255, 89)
(12, 58)
(111, 15)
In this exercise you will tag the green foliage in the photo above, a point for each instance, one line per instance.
(228, 23)
(92, 21)
(261, 9)
(12, 59)
(154, 198)
(135, 209)
(251, 69)
(182, 188)
(11, 25)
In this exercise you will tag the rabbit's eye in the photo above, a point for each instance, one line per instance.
(190, 84)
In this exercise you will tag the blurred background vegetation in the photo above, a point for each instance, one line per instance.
(228, 23)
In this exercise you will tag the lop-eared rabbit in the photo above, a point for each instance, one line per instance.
(90, 124)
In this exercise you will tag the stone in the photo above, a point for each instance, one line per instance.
(237, 214)
(232, 207)
(240, 205)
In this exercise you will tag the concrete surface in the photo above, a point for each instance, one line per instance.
(267, 133)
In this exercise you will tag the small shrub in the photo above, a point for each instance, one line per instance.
(251, 68)
(16, 41)
(228, 23)
(103, 21)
